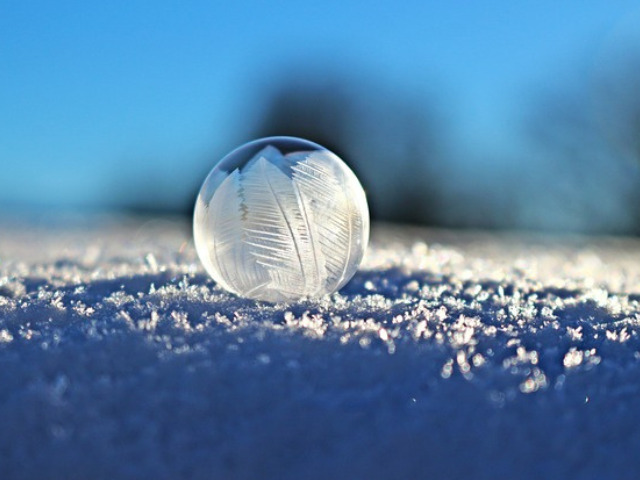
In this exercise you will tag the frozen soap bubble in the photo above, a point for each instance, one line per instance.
(279, 219)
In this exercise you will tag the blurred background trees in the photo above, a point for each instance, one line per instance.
(391, 140)
(576, 169)
(582, 138)
(518, 117)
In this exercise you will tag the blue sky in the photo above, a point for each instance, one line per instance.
(93, 94)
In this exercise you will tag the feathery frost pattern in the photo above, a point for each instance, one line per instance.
(286, 226)
(333, 214)
(277, 229)
(230, 247)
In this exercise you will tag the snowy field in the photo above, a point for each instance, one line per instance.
(449, 355)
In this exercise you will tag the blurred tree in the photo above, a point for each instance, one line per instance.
(617, 105)
(392, 141)
(617, 102)
(583, 138)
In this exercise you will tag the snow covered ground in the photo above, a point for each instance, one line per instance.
(449, 355)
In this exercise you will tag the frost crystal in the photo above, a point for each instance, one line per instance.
(280, 219)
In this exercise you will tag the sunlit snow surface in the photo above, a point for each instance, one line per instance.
(447, 356)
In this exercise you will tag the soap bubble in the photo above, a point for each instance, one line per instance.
(280, 219)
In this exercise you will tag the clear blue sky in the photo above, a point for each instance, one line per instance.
(146, 89)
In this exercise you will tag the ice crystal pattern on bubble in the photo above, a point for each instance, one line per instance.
(283, 227)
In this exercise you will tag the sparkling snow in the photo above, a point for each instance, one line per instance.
(449, 355)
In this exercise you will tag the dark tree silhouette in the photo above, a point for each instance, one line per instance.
(390, 140)
(617, 106)
(585, 137)
(617, 102)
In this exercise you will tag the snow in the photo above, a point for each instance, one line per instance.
(449, 355)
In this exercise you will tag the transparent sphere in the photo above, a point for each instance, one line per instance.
(279, 219)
